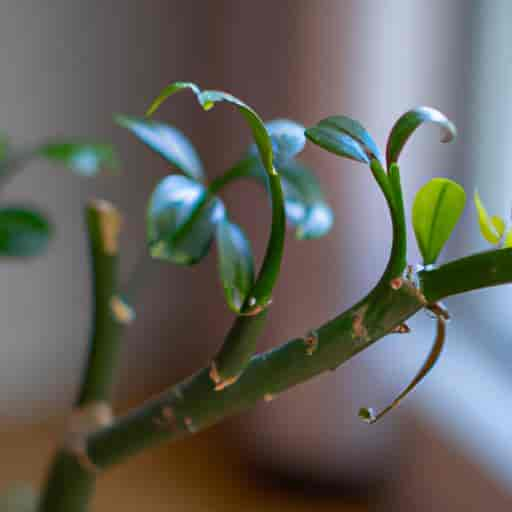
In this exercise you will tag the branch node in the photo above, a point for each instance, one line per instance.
(82, 422)
(401, 329)
(189, 424)
(311, 342)
(122, 311)
(359, 330)
(219, 382)
(396, 283)
(167, 419)
(254, 308)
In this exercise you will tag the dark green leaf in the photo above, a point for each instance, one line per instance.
(23, 232)
(182, 217)
(355, 130)
(168, 141)
(337, 142)
(437, 208)
(236, 264)
(86, 159)
(407, 124)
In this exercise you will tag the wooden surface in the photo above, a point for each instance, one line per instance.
(201, 473)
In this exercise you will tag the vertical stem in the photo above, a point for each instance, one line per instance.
(71, 478)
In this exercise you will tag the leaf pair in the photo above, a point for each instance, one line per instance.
(348, 138)
(492, 227)
(24, 231)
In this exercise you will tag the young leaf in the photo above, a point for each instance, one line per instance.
(436, 210)
(86, 159)
(168, 141)
(355, 130)
(182, 217)
(306, 207)
(169, 91)
(287, 139)
(507, 242)
(236, 264)
(407, 124)
(492, 228)
(337, 142)
(23, 232)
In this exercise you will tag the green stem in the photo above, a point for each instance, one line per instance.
(193, 405)
(70, 483)
(239, 170)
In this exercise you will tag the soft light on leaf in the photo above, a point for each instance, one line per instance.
(168, 141)
(207, 100)
(337, 142)
(492, 230)
(507, 242)
(182, 218)
(437, 208)
(169, 91)
(86, 159)
(407, 124)
(355, 130)
(23, 232)
(288, 139)
(305, 205)
(236, 264)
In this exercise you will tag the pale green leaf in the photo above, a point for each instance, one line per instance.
(492, 230)
(437, 208)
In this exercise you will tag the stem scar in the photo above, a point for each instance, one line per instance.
(219, 382)
(311, 342)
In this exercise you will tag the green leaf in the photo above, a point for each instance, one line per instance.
(168, 141)
(492, 228)
(437, 208)
(18, 498)
(86, 159)
(355, 130)
(507, 242)
(207, 100)
(287, 138)
(407, 124)
(23, 232)
(182, 217)
(236, 264)
(270, 267)
(337, 142)
(169, 91)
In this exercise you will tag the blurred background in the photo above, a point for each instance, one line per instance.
(67, 66)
